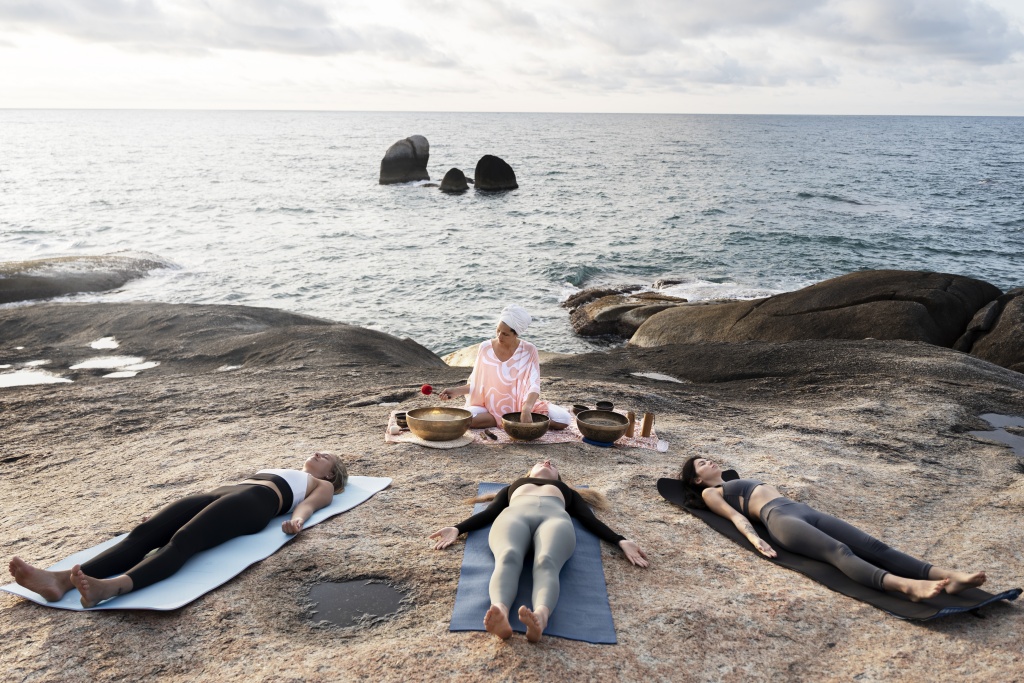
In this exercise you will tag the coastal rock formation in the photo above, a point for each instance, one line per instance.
(405, 161)
(875, 432)
(998, 331)
(493, 174)
(454, 181)
(200, 338)
(50, 277)
(884, 304)
(619, 315)
(587, 295)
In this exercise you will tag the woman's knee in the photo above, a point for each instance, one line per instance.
(509, 557)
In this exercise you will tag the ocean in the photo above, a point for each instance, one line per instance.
(283, 209)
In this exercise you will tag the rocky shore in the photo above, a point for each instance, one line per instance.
(874, 431)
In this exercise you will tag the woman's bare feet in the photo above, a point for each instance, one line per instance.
(922, 590)
(51, 585)
(95, 591)
(961, 581)
(496, 622)
(535, 622)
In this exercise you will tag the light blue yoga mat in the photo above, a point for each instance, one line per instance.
(582, 613)
(211, 568)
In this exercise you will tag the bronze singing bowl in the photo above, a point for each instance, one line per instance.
(525, 431)
(601, 425)
(438, 424)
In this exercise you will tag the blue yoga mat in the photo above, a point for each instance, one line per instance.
(582, 613)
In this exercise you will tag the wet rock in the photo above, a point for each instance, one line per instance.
(587, 295)
(666, 282)
(604, 316)
(493, 174)
(454, 181)
(47, 278)
(885, 304)
(405, 161)
(1003, 342)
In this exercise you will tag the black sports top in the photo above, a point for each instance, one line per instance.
(736, 489)
(574, 505)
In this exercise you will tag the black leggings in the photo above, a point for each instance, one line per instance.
(184, 528)
(801, 529)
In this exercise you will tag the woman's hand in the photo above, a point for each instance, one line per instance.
(293, 526)
(526, 415)
(634, 553)
(445, 536)
(445, 395)
(763, 548)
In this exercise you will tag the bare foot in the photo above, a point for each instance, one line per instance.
(496, 622)
(923, 590)
(535, 622)
(961, 581)
(51, 585)
(94, 591)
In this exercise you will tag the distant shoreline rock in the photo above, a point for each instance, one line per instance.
(47, 278)
(405, 161)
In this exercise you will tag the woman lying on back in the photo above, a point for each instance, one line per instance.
(801, 529)
(190, 525)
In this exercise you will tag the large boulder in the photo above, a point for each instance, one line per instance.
(405, 161)
(493, 174)
(454, 181)
(881, 304)
(1000, 332)
(62, 275)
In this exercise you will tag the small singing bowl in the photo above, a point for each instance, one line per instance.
(400, 420)
(579, 408)
(605, 405)
(525, 431)
(602, 425)
(438, 424)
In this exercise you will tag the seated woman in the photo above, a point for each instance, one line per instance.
(537, 509)
(801, 529)
(506, 377)
(191, 525)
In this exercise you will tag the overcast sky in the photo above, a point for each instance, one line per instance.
(699, 56)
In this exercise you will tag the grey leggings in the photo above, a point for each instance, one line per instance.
(543, 520)
(801, 529)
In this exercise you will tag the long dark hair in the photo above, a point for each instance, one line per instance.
(692, 489)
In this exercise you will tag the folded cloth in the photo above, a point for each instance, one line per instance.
(211, 568)
(582, 612)
(895, 604)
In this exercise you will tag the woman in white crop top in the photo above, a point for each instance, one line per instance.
(191, 525)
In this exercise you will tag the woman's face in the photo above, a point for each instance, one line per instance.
(505, 335)
(544, 470)
(320, 465)
(704, 469)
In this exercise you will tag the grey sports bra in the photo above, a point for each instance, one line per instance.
(739, 489)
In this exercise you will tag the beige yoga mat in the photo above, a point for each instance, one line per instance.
(567, 435)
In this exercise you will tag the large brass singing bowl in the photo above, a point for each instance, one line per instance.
(601, 425)
(438, 424)
(525, 431)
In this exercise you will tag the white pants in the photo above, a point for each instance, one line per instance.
(555, 413)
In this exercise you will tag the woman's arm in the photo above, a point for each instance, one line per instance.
(446, 394)
(578, 508)
(715, 501)
(447, 535)
(531, 400)
(321, 497)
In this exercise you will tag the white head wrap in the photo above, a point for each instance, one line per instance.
(516, 317)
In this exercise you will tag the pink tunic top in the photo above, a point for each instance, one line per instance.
(503, 387)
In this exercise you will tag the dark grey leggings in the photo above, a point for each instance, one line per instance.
(801, 529)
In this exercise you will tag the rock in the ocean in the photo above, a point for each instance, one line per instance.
(609, 315)
(1003, 342)
(405, 161)
(882, 304)
(47, 278)
(493, 174)
(454, 181)
(587, 295)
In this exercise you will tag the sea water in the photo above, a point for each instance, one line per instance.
(283, 209)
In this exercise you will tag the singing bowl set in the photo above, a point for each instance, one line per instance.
(604, 426)
(438, 424)
(525, 431)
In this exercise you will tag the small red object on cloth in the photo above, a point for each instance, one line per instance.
(426, 390)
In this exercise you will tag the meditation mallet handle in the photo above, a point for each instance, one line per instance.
(647, 424)
(631, 416)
